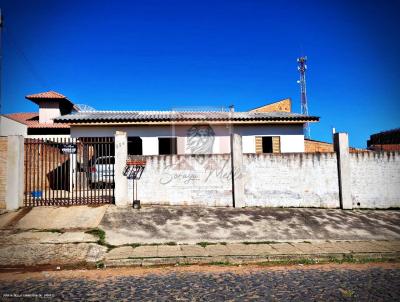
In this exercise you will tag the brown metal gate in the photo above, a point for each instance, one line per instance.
(69, 171)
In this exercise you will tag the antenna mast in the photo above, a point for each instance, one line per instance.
(302, 67)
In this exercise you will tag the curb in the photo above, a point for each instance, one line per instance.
(243, 259)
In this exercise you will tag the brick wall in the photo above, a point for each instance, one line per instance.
(375, 179)
(3, 170)
(281, 106)
(312, 146)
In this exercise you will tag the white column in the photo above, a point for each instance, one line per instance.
(237, 171)
(121, 182)
(15, 172)
(341, 145)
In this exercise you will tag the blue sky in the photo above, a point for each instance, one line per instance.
(158, 55)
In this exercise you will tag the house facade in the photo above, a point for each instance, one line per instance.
(271, 128)
(196, 132)
(40, 124)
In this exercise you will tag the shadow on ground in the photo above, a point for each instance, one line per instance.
(196, 224)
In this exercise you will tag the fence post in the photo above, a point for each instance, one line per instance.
(15, 172)
(121, 182)
(237, 170)
(341, 146)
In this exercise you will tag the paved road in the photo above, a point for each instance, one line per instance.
(299, 284)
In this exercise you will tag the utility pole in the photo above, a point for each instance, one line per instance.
(302, 67)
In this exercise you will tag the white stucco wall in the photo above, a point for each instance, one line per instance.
(201, 180)
(375, 179)
(292, 138)
(11, 127)
(291, 180)
(48, 111)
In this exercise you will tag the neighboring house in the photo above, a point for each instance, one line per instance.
(10, 126)
(314, 146)
(268, 129)
(40, 124)
(385, 141)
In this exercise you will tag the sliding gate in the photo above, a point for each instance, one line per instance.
(69, 171)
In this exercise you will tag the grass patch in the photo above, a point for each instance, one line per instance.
(205, 243)
(101, 235)
(52, 231)
(170, 243)
(221, 263)
(222, 243)
(100, 264)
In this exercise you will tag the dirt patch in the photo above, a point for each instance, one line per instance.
(97, 274)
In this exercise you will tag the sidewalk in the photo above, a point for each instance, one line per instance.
(79, 249)
(239, 253)
(108, 236)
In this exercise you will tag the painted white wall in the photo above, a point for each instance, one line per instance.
(49, 136)
(249, 144)
(292, 143)
(11, 127)
(292, 138)
(150, 145)
(48, 111)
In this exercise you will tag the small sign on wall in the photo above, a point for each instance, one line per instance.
(68, 148)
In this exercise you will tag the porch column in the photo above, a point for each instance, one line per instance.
(121, 182)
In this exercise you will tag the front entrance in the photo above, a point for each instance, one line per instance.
(69, 171)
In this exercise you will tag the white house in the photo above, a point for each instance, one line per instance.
(40, 124)
(267, 129)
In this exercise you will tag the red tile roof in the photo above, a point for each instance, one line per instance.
(31, 119)
(46, 95)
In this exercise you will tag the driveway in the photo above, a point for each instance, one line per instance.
(51, 217)
(161, 224)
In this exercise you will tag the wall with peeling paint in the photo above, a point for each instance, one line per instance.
(375, 179)
(270, 180)
(203, 180)
(291, 180)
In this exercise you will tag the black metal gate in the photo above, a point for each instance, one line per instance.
(69, 171)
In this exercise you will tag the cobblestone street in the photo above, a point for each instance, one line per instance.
(299, 283)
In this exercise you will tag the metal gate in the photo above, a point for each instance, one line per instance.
(69, 171)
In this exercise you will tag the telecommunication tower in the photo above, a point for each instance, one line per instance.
(302, 67)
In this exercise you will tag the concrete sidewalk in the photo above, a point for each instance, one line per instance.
(50, 236)
(190, 225)
(52, 217)
(238, 253)
(37, 249)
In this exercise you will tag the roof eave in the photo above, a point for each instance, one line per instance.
(188, 122)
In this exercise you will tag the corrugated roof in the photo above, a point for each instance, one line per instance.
(154, 116)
